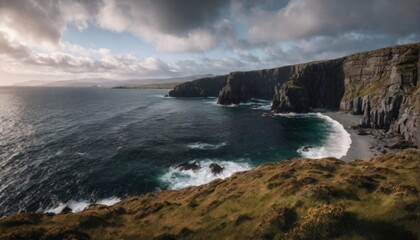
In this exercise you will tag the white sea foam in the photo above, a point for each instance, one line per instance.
(338, 141)
(78, 206)
(255, 103)
(177, 179)
(162, 96)
(206, 146)
(212, 101)
(264, 107)
(229, 106)
(297, 115)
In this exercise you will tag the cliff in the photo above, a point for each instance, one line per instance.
(327, 198)
(204, 87)
(381, 85)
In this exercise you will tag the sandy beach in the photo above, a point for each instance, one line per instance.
(361, 144)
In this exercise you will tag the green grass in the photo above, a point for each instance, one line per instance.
(358, 89)
(374, 87)
(409, 59)
(294, 82)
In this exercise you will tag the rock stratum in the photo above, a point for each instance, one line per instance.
(381, 85)
(326, 198)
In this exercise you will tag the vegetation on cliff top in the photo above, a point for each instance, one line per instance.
(294, 82)
(294, 199)
(358, 89)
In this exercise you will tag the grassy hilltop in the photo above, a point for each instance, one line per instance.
(294, 199)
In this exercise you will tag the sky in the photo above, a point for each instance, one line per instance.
(134, 39)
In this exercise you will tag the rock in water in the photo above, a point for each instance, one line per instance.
(216, 169)
(66, 209)
(188, 166)
(306, 148)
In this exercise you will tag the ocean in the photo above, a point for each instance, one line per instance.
(76, 146)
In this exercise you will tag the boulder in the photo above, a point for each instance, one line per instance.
(66, 209)
(188, 166)
(306, 148)
(402, 144)
(216, 169)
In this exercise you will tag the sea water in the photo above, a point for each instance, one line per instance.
(76, 146)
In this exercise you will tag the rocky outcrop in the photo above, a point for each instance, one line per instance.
(241, 86)
(382, 85)
(290, 98)
(216, 169)
(188, 166)
(204, 87)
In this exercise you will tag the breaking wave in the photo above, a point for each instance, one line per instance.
(338, 141)
(80, 205)
(206, 146)
(177, 179)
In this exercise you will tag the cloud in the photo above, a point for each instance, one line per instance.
(37, 23)
(15, 51)
(199, 26)
(170, 25)
(81, 60)
(215, 36)
(302, 19)
(165, 16)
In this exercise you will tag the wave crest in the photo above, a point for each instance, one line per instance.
(177, 179)
(80, 205)
(206, 146)
(338, 141)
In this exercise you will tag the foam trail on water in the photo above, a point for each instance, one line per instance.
(80, 205)
(255, 103)
(338, 141)
(206, 146)
(266, 107)
(177, 179)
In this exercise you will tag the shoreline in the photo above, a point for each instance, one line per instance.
(362, 146)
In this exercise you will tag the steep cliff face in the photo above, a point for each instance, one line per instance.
(291, 97)
(383, 86)
(241, 86)
(204, 87)
(323, 83)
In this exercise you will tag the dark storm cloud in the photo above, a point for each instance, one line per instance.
(175, 17)
(306, 19)
(247, 34)
(195, 25)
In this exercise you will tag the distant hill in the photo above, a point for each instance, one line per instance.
(31, 83)
(166, 83)
(111, 83)
(169, 85)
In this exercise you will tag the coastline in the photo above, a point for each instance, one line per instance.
(362, 145)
